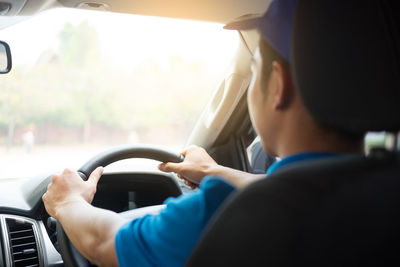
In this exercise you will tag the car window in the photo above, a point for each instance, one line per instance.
(377, 140)
(371, 140)
(83, 81)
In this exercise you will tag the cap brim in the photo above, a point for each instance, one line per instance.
(246, 22)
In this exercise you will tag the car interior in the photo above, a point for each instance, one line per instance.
(331, 212)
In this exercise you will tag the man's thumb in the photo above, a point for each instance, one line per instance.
(95, 175)
(169, 167)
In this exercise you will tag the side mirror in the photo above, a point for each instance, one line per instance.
(5, 58)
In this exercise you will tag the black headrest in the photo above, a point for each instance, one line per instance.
(346, 62)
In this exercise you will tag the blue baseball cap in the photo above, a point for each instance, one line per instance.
(275, 25)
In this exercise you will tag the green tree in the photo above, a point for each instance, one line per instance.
(79, 45)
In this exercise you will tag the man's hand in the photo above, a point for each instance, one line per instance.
(69, 187)
(196, 165)
(92, 230)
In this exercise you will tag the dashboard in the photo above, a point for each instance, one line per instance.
(28, 235)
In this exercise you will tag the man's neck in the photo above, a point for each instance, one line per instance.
(316, 145)
(304, 136)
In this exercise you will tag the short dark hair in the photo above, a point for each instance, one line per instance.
(269, 55)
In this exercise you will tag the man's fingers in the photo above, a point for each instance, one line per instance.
(188, 149)
(190, 184)
(67, 171)
(55, 178)
(183, 153)
(96, 174)
(169, 167)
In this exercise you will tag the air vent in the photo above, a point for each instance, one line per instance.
(23, 243)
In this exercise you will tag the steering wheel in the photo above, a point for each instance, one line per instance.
(70, 255)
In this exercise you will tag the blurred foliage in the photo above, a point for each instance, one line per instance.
(76, 87)
(79, 45)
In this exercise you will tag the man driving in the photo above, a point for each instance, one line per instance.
(286, 129)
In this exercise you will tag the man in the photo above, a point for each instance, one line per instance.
(284, 125)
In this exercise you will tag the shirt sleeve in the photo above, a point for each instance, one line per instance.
(168, 238)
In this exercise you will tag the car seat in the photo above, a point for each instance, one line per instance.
(342, 211)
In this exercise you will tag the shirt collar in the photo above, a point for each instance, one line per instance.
(298, 158)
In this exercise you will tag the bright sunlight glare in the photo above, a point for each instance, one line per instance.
(142, 36)
(83, 81)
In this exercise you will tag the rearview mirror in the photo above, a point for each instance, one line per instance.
(5, 58)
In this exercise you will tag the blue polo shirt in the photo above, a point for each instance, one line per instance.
(167, 239)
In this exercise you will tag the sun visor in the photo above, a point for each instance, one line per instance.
(345, 61)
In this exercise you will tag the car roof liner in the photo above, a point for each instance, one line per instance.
(346, 63)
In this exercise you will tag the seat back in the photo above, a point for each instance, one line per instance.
(328, 212)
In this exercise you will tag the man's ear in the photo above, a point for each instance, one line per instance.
(283, 85)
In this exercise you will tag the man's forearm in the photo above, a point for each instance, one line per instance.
(91, 230)
(236, 177)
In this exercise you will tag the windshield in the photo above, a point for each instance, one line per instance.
(83, 81)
